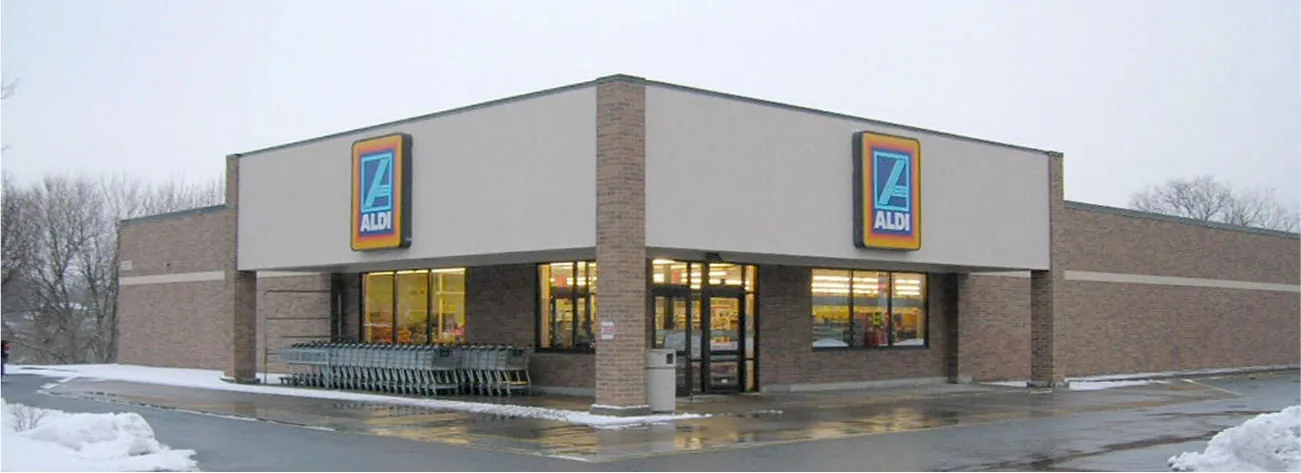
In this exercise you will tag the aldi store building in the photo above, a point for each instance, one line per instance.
(775, 247)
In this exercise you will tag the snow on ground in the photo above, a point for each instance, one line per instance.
(211, 379)
(1267, 442)
(1086, 384)
(1083, 385)
(38, 439)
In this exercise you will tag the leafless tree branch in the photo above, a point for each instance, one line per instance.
(61, 271)
(1208, 199)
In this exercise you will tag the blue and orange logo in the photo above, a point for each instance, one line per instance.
(381, 192)
(887, 192)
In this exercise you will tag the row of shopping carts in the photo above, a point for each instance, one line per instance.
(430, 370)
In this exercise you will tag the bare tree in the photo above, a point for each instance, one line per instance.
(69, 264)
(1208, 199)
(7, 90)
(17, 238)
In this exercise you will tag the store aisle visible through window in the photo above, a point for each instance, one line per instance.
(414, 307)
(868, 309)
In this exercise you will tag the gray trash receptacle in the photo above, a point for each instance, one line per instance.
(661, 380)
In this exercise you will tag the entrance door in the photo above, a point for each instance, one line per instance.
(724, 317)
(708, 325)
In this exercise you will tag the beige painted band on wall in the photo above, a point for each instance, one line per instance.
(200, 276)
(1092, 276)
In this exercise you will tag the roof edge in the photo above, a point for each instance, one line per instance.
(441, 113)
(826, 113)
(174, 215)
(1124, 212)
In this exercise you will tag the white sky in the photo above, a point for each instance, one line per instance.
(1133, 92)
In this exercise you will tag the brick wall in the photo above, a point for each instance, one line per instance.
(786, 355)
(500, 305)
(1107, 242)
(1114, 328)
(566, 370)
(994, 328)
(179, 324)
(1126, 327)
(621, 242)
(290, 309)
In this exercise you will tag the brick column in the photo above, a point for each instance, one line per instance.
(1047, 324)
(959, 305)
(621, 245)
(241, 293)
(784, 304)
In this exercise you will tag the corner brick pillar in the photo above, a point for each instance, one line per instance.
(241, 293)
(1047, 324)
(621, 245)
(959, 306)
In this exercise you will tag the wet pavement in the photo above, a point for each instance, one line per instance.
(1014, 428)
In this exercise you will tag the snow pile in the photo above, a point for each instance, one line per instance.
(211, 379)
(1267, 442)
(50, 440)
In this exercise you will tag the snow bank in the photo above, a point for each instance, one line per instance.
(1267, 442)
(50, 440)
(211, 379)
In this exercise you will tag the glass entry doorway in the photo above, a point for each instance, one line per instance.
(708, 322)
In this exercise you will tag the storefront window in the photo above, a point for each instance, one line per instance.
(567, 309)
(908, 308)
(377, 320)
(414, 306)
(858, 309)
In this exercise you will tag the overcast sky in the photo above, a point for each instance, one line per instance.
(1133, 92)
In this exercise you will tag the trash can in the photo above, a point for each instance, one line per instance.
(661, 380)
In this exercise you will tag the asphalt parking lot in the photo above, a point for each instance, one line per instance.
(959, 428)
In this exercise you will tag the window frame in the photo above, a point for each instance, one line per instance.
(925, 308)
(542, 310)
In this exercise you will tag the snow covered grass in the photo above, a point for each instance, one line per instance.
(1267, 442)
(211, 379)
(38, 439)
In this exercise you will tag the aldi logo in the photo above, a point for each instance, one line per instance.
(887, 192)
(381, 189)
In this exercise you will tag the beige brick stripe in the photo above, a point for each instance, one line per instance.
(1093, 276)
(198, 276)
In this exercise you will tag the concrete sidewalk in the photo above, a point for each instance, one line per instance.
(736, 421)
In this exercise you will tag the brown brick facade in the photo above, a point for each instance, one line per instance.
(1119, 327)
(499, 304)
(994, 327)
(177, 324)
(1133, 328)
(1106, 242)
(290, 309)
(621, 244)
(786, 354)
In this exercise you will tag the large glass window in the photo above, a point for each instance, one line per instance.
(567, 308)
(377, 319)
(414, 307)
(868, 309)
